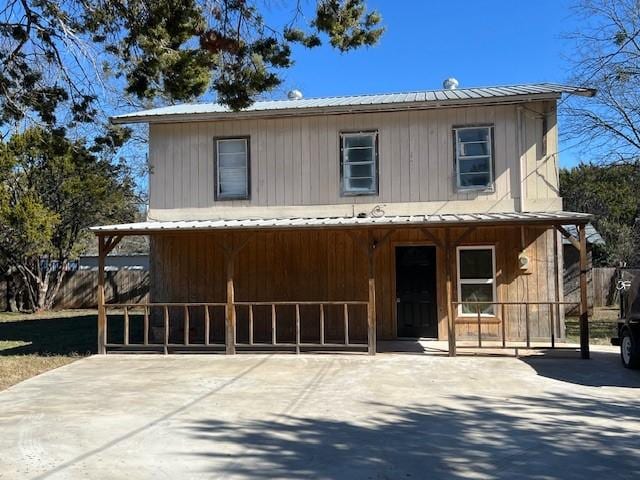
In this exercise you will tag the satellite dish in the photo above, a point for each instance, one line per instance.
(294, 95)
(450, 83)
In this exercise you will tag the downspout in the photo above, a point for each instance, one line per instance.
(520, 207)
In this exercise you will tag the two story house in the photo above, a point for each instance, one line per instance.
(333, 223)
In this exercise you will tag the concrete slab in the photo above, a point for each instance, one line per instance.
(324, 416)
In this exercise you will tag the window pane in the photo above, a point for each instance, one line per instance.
(472, 149)
(476, 263)
(475, 180)
(232, 146)
(232, 167)
(233, 181)
(351, 141)
(474, 165)
(477, 293)
(232, 160)
(480, 134)
(359, 184)
(358, 155)
(359, 170)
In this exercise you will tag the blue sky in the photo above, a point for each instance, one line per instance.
(487, 42)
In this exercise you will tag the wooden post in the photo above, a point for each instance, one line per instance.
(297, 328)
(230, 321)
(479, 326)
(126, 325)
(322, 323)
(450, 312)
(371, 305)
(146, 326)
(346, 324)
(584, 307)
(102, 314)
(207, 325)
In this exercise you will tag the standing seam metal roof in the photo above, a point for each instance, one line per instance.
(405, 220)
(491, 94)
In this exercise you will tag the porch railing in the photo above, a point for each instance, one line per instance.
(162, 318)
(499, 316)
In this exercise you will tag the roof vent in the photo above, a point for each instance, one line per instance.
(450, 83)
(294, 95)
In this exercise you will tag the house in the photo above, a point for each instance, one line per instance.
(115, 262)
(332, 223)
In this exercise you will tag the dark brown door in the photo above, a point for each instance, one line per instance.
(416, 291)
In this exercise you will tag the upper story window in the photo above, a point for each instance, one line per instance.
(232, 168)
(474, 157)
(359, 163)
(476, 280)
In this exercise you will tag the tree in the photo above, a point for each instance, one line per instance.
(612, 194)
(51, 190)
(607, 57)
(54, 52)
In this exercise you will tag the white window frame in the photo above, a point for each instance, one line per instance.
(343, 164)
(477, 281)
(222, 196)
(458, 157)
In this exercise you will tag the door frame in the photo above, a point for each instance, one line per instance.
(413, 243)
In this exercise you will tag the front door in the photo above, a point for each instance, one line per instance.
(416, 291)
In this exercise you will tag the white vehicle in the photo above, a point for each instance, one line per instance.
(629, 322)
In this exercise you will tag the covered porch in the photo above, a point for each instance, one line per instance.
(331, 284)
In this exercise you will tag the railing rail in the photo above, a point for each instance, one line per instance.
(193, 310)
(481, 313)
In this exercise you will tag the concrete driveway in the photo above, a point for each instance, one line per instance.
(324, 416)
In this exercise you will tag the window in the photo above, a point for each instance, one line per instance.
(232, 168)
(474, 157)
(358, 163)
(476, 280)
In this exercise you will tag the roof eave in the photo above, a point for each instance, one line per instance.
(333, 110)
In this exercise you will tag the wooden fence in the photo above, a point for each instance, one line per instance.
(79, 289)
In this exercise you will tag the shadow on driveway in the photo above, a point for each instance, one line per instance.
(557, 436)
(603, 370)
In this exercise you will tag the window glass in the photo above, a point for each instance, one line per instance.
(476, 280)
(474, 157)
(232, 168)
(359, 163)
(476, 263)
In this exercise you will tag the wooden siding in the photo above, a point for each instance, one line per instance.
(295, 160)
(326, 265)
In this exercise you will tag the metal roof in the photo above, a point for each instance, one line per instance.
(341, 222)
(593, 236)
(388, 101)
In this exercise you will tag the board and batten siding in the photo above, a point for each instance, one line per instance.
(326, 265)
(295, 162)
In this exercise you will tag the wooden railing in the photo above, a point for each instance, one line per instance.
(165, 320)
(188, 310)
(480, 319)
(321, 343)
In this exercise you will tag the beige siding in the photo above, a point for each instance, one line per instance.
(295, 161)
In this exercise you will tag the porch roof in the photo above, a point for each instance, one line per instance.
(437, 220)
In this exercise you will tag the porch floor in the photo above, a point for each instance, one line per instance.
(470, 347)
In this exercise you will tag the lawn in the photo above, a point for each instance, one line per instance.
(34, 343)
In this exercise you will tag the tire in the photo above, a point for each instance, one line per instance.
(629, 351)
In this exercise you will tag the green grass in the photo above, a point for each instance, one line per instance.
(34, 343)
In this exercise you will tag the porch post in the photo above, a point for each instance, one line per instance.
(230, 321)
(450, 313)
(584, 307)
(371, 306)
(102, 316)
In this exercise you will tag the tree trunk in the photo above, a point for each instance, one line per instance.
(12, 293)
(53, 291)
